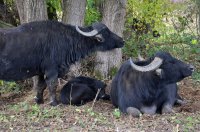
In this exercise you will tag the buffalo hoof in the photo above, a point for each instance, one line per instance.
(38, 101)
(150, 110)
(54, 103)
(167, 109)
(180, 102)
(133, 112)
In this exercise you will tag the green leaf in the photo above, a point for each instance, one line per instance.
(194, 41)
(117, 113)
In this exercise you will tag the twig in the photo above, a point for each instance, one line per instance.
(190, 30)
(59, 82)
(95, 98)
(70, 96)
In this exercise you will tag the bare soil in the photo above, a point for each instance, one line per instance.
(20, 113)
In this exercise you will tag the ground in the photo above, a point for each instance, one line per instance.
(20, 113)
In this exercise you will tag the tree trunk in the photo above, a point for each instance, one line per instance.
(113, 16)
(31, 10)
(74, 13)
(198, 15)
(99, 5)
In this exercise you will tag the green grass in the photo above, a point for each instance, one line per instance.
(188, 123)
(6, 87)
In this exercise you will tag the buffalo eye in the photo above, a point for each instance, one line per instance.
(99, 38)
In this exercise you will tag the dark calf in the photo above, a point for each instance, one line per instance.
(81, 90)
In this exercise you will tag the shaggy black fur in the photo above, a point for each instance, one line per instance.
(82, 90)
(47, 49)
(147, 91)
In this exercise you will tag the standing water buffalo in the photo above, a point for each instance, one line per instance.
(81, 90)
(147, 86)
(47, 49)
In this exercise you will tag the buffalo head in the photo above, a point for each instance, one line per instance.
(102, 35)
(167, 67)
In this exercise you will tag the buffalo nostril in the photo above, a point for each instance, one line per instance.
(191, 67)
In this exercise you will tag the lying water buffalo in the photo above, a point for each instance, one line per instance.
(81, 90)
(148, 86)
(47, 49)
(171, 93)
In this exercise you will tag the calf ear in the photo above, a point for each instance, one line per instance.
(159, 72)
(99, 38)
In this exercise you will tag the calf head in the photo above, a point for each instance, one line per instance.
(98, 85)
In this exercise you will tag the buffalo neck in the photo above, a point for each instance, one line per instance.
(80, 49)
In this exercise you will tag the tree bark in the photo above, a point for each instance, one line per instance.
(74, 13)
(198, 15)
(113, 16)
(31, 10)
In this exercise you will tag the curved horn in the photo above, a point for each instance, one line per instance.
(87, 34)
(152, 66)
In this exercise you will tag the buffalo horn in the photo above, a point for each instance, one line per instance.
(155, 64)
(87, 34)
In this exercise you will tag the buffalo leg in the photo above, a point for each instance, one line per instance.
(179, 100)
(149, 109)
(133, 111)
(39, 85)
(52, 81)
(167, 108)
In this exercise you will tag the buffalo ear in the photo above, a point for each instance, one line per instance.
(159, 72)
(99, 38)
